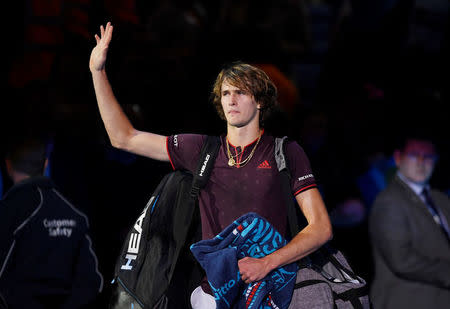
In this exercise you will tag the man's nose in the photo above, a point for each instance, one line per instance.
(233, 99)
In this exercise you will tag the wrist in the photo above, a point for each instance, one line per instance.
(99, 74)
(101, 71)
(270, 262)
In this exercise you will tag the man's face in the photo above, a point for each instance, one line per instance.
(239, 106)
(416, 162)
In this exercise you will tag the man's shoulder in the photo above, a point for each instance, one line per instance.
(394, 197)
(186, 139)
(64, 206)
(184, 150)
(392, 189)
(294, 150)
(25, 192)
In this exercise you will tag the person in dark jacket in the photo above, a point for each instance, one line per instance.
(409, 229)
(46, 255)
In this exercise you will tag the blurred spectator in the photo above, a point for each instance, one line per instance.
(46, 254)
(410, 233)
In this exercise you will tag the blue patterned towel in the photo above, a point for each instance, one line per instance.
(252, 236)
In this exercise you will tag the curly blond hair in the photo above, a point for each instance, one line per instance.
(252, 79)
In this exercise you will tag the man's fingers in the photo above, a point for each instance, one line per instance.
(109, 32)
(243, 277)
(246, 279)
(105, 34)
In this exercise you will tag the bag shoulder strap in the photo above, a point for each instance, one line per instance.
(279, 153)
(205, 164)
(283, 168)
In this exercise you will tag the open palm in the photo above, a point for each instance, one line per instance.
(100, 51)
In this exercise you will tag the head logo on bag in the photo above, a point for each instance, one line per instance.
(135, 239)
(204, 165)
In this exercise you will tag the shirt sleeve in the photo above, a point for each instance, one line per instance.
(184, 150)
(302, 177)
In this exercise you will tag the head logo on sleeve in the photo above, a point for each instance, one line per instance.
(305, 177)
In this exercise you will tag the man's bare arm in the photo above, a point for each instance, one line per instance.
(121, 132)
(315, 234)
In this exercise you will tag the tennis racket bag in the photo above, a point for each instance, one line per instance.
(155, 268)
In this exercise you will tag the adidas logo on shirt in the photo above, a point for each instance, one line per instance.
(265, 165)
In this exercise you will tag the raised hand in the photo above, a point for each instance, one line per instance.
(100, 51)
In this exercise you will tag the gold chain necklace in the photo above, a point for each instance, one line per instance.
(232, 162)
(234, 156)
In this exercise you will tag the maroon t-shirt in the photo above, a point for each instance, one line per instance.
(232, 192)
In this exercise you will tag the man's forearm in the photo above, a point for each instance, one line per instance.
(305, 242)
(117, 125)
(121, 132)
(315, 234)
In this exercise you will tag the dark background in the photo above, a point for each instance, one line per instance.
(351, 76)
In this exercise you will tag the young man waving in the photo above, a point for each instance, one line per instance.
(244, 178)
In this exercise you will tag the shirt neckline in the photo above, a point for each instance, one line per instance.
(417, 188)
(246, 146)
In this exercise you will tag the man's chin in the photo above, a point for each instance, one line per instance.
(420, 180)
(236, 124)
